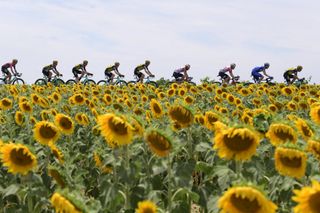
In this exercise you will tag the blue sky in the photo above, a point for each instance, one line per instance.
(207, 34)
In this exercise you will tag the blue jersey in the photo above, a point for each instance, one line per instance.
(258, 69)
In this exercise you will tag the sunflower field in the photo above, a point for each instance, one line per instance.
(175, 148)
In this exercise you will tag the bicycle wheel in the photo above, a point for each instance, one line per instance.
(40, 81)
(153, 83)
(89, 81)
(71, 81)
(121, 83)
(131, 82)
(2, 81)
(18, 81)
(58, 82)
(102, 82)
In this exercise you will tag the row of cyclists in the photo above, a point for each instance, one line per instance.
(181, 74)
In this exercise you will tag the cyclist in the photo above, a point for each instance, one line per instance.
(6, 72)
(138, 69)
(257, 77)
(109, 71)
(80, 69)
(47, 70)
(223, 73)
(181, 73)
(292, 74)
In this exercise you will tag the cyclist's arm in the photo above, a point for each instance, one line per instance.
(117, 71)
(55, 71)
(186, 74)
(231, 74)
(264, 72)
(148, 71)
(13, 69)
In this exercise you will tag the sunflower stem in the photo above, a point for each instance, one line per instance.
(239, 169)
(169, 185)
(189, 141)
(127, 189)
(114, 170)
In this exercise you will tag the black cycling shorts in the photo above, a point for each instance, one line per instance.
(288, 76)
(177, 75)
(76, 72)
(5, 70)
(223, 75)
(138, 73)
(109, 74)
(45, 72)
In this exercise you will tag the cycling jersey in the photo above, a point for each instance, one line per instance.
(291, 71)
(110, 69)
(180, 70)
(258, 69)
(5, 67)
(226, 69)
(140, 67)
(79, 66)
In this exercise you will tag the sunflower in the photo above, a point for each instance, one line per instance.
(210, 119)
(146, 207)
(244, 92)
(35, 98)
(288, 91)
(237, 143)
(43, 102)
(189, 100)
(245, 199)
(138, 110)
(290, 162)
(200, 119)
(99, 165)
(56, 97)
(159, 144)
(281, 133)
(17, 158)
(115, 130)
(156, 108)
(78, 99)
(64, 123)
(273, 108)
(118, 107)
(304, 129)
(314, 148)
(19, 118)
(56, 153)
(62, 204)
(107, 99)
(44, 114)
(85, 119)
(230, 98)
(292, 106)
(171, 92)
(137, 127)
(5, 104)
(307, 198)
(45, 132)
(181, 115)
(55, 174)
(315, 114)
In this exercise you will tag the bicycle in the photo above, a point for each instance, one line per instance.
(299, 82)
(85, 80)
(181, 80)
(55, 80)
(14, 80)
(118, 81)
(234, 81)
(266, 80)
(148, 81)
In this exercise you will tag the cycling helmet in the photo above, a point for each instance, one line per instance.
(299, 68)
(15, 61)
(117, 64)
(85, 62)
(55, 62)
(266, 65)
(233, 65)
(147, 62)
(187, 66)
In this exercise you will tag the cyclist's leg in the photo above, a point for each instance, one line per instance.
(108, 76)
(7, 75)
(75, 74)
(227, 78)
(112, 77)
(141, 77)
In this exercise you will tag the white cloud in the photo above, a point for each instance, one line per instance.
(206, 34)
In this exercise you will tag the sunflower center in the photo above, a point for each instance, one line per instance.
(47, 132)
(6, 103)
(119, 127)
(306, 131)
(159, 142)
(294, 162)
(238, 143)
(19, 157)
(314, 202)
(78, 98)
(147, 210)
(181, 115)
(212, 119)
(244, 204)
(65, 123)
(283, 134)
(26, 107)
(156, 108)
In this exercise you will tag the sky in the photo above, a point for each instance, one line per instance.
(207, 34)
